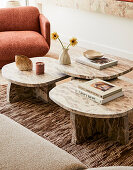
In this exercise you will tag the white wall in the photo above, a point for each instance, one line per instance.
(3, 3)
(22, 2)
(106, 33)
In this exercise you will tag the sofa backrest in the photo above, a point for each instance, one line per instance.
(19, 19)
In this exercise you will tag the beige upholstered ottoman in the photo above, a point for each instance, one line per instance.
(21, 149)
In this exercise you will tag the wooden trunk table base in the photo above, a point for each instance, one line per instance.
(114, 128)
(17, 93)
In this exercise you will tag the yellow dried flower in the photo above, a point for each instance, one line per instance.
(54, 35)
(73, 41)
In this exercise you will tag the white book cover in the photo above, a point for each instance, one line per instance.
(98, 99)
(98, 63)
(100, 88)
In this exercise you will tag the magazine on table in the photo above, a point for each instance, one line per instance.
(97, 63)
(100, 91)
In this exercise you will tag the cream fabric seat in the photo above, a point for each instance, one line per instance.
(21, 149)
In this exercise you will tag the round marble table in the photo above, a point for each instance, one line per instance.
(89, 118)
(24, 84)
(85, 72)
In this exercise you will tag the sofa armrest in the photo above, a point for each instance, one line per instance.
(45, 28)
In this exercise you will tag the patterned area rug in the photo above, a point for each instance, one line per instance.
(52, 123)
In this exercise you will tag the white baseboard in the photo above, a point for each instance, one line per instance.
(106, 49)
(103, 48)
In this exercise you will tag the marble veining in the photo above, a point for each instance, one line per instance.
(29, 78)
(65, 96)
(82, 71)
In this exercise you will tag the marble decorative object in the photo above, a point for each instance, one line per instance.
(85, 72)
(23, 63)
(24, 84)
(111, 7)
(64, 57)
(105, 117)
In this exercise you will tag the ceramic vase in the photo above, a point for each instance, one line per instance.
(13, 3)
(64, 57)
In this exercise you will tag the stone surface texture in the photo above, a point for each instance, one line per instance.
(25, 84)
(85, 72)
(65, 96)
(89, 118)
(113, 7)
(17, 93)
(114, 128)
(29, 78)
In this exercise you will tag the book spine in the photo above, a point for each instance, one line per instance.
(113, 63)
(99, 100)
(115, 96)
(90, 96)
(91, 92)
(101, 96)
(96, 66)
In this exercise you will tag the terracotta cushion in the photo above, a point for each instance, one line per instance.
(29, 43)
(21, 149)
(19, 19)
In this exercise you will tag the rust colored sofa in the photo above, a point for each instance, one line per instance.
(23, 31)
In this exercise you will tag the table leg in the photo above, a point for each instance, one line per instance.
(17, 93)
(42, 93)
(114, 128)
(82, 128)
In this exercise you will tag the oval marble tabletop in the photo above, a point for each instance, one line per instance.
(29, 78)
(64, 95)
(85, 72)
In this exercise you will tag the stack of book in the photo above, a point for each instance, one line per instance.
(100, 91)
(96, 60)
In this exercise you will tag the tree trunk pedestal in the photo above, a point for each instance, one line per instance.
(17, 93)
(84, 127)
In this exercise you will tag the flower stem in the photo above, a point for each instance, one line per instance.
(61, 42)
(68, 45)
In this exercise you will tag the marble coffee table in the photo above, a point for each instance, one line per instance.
(89, 118)
(25, 84)
(85, 72)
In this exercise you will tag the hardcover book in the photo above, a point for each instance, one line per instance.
(98, 99)
(100, 91)
(97, 63)
(100, 88)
